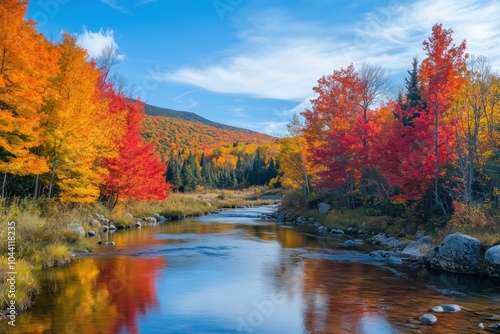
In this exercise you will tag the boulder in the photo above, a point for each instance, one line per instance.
(428, 319)
(348, 243)
(492, 259)
(301, 220)
(416, 251)
(378, 239)
(457, 253)
(335, 231)
(77, 228)
(112, 227)
(95, 223)
(138, 224)
(324, 208)
(494, 327)
(91, 233)
(103, 220)
(390, 243)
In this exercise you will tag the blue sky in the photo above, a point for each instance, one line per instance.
(253, 63)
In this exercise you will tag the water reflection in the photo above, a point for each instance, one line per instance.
(233, 273)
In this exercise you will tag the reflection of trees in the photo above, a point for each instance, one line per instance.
(339, 297)
(92, 300)
(130, 283)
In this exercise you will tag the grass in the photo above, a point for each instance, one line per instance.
(42, 239)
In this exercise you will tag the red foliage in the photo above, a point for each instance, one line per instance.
(137, 172)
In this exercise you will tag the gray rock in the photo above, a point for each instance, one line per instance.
(428, 319)
(495, 327)
(301, 220)
(324, 208)
(376, 256)
(451, 308)
(103, 220)
(280, 219)
(457, 253)
(129, 215)
(95, 223)
(150, 220)
(425, 239)
(91, 233)
(492, 318)
(349, 230)
(480, 326)
(394, 260)
(112, 227)
(378, 239)
(390, 243)
(334, 231)
(312, 220)
(138, 224)
(438, 309)
(109, 243)
(492, 259)
(416, 251)
(105, 228)
(77, 228)
(348, 243)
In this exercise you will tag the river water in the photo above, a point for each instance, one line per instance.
(231, 272)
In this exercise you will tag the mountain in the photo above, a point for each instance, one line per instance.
(181, 130)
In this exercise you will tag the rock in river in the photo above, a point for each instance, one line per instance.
(492, 258)
(451, 308)
(428, 319)
(416, 251)
(457, 253)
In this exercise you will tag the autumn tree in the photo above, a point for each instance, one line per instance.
(442, 77)
(339, 129)
(80, 128)
(293, 169)
(27, 64)
(477, 106)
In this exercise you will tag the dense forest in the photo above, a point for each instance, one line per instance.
(434, 146)
(228, 167)
(66, 130)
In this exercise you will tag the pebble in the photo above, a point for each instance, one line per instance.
(451, 307)
(428, 319)
(437, 309)
(480, 326)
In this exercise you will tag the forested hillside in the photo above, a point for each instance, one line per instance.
(177, 134)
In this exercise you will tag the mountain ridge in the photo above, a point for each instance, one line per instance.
(152, 110)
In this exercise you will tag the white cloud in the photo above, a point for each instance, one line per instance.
(282, 60)
(273, 128)
(95, 42)
(144, 2)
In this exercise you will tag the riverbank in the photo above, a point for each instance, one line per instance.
(453, 252)
(44, 233)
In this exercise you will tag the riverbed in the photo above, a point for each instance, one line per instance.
(233, 272)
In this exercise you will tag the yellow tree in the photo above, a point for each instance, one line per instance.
(27, 62)
(80, 127)
(477, 112)
(292, 160)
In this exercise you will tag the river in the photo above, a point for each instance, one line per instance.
(231, 272)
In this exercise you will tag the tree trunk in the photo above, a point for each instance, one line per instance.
(35, 193)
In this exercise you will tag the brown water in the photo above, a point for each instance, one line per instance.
(233, 273)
